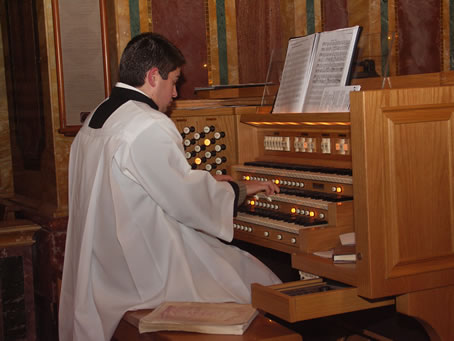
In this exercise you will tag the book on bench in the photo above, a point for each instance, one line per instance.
(208, 318)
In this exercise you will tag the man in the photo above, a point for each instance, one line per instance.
(143, 226)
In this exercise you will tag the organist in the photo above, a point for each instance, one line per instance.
(143, 226)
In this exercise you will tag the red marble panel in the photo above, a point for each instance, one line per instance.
(183, 23)
(258, 31)
(335, 14)
(419, 40)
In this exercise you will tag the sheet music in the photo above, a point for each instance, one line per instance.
(295, 77)
(331, 64)
(337, 98)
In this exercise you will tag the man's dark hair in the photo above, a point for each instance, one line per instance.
(145, 51)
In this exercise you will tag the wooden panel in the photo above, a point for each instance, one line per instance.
(419, 197)
(403, 188)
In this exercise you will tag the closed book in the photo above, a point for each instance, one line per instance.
(208, 318)
(344, 254)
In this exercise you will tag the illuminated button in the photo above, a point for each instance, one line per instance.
(198, 161)
(206, 142)
(277, 182)
(293, 210)
(252, 202)
(293, 240)
(338, 189)
(247, 177)
(279, 236)
(266, 234)
(311, 213)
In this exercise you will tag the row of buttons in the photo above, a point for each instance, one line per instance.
(335, 189)
(265, 233)
(263, 204)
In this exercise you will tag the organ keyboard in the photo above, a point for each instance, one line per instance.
(313, 197)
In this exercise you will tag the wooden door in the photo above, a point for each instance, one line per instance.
(403, 180)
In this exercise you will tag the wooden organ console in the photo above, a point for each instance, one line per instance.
(384, 170)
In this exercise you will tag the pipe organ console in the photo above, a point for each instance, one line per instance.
(384, 170)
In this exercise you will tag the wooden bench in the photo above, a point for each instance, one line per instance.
(261, 328)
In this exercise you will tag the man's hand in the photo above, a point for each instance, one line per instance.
(254, 187)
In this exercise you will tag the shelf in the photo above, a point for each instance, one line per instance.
(324, 267)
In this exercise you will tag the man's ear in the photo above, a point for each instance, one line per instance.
(151, 76)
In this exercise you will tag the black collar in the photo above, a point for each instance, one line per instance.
(117, 98)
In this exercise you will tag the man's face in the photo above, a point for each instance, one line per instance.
(166, 89)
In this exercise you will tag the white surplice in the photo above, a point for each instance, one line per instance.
(144, 227)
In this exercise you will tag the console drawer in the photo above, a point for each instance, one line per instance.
(308, 299)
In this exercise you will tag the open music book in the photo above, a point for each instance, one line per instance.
(314, 63)
(209, 318)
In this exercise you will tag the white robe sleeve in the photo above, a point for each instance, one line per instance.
(156, 161)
